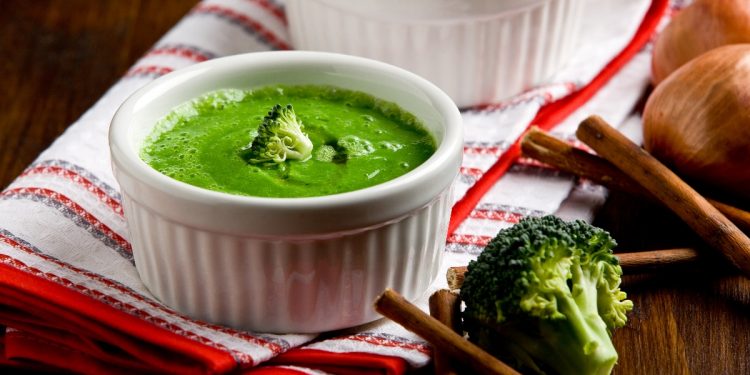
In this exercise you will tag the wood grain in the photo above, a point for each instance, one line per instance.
(565, 157)
(693, 323)
(60, 56)
(663, 260)
(715, 228)
(445, 306)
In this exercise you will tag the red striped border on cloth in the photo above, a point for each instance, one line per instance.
(109, 196)
(247, 23)
(276, 346)
(353, 363)
(232, 15)
(149, 70)
(192, 53)
(89, 182)
(72, 210)
(273, 8)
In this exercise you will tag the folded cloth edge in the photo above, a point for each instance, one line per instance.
(47, 296)
(342, 363)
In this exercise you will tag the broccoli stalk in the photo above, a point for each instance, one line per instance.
(279, 138)
(546, 293)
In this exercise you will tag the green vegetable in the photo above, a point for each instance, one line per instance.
(279, 138)
(546, 293)
(342, 149)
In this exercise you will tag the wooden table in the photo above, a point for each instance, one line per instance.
(59, 57)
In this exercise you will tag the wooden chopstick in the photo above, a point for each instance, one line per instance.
(633, 262)
(668, 188)
(547, 149)
(445, 306)
(394, 306)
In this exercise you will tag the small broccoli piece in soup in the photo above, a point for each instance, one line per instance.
(280, 138)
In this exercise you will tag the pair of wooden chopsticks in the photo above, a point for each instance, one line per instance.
(624, 165)
(549, 150)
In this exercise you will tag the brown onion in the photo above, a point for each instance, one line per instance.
(700, 27)
(698, 120)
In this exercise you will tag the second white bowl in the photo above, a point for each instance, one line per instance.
(477, 51)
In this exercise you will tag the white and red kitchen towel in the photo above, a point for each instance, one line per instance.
(70, 296)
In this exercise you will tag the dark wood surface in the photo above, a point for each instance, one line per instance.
(59, 57)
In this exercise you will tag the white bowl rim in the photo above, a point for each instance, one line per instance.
(125, 155)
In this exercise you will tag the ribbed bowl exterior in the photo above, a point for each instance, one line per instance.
(286, 265)
(475, 60)
(312, 284)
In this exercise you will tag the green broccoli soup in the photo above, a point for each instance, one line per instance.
(287, 141)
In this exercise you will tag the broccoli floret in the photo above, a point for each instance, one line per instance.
(547, 293)
(347, 147)
(279, 138)
(354, 146)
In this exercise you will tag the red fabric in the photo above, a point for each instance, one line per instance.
(343, 363)
(553, 113)
(62, 328)
(57, 311)
(31, 347)
(272, 370)
(12, 365)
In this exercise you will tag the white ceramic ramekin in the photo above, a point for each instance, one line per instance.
(477, 51)
(286, 264)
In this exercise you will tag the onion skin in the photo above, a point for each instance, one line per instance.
(697, 121)
(700, 27)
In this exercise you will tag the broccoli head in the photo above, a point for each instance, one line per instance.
(546, 293)
(279, 138)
